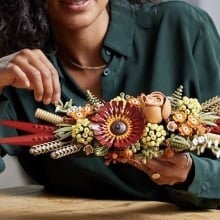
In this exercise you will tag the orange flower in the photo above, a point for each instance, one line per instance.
(179, 117)
(79, 114)
(88, 109)
(193, 121)
(118, 156)
(134, 101)
(185, 130)
(201, 130)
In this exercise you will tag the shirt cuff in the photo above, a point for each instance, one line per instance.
(2, 165)
(202, 174)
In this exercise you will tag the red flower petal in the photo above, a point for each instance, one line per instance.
(118, 124)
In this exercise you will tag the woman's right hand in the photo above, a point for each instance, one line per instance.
(30, 69)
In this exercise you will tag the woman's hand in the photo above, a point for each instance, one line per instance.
(30, 69)
(166, 171)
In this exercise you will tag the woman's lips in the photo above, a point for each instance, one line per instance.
(74, 2)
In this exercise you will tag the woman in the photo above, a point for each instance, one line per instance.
(60, 48)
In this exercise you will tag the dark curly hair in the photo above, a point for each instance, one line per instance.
(24, 24)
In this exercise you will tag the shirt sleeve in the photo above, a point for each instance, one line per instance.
(206, 54)
(204, 190)
(207, 62)
(3, 105)
(207, 178)
(5, 113)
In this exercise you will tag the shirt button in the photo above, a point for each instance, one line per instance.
(108, 52)
(204, 188)
(107, 71)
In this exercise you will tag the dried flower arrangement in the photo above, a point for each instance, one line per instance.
(146, 126)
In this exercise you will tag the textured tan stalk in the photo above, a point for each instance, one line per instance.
(213, 137)
(48, 116)
(65, 151)
(45, 147)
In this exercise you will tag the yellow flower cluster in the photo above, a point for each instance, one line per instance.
(189, 105)
(153, 136)
(82, 131)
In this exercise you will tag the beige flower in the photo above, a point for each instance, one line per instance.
(155, 106)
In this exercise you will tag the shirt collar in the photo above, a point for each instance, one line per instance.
(121, 28)
(124, 18)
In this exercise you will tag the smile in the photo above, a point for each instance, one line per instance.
(72, 2)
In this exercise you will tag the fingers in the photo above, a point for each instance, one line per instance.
(164, 170)
(15, 76)
(50, 79)
(31, 69)
(43, 76)
(179, 159)
(156, 176)
(56, 86)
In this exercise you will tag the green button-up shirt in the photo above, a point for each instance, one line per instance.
(147, 48)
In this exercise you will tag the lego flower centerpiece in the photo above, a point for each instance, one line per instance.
(146, 126)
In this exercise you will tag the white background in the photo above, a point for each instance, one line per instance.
(212, 7)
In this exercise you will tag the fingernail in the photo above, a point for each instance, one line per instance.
(27, 84)
(39, 98)
(47, 101)
(57, 97)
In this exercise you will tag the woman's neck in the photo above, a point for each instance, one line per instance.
(83, 46)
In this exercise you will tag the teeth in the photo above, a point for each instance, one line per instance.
(78, 3)
(74, 2)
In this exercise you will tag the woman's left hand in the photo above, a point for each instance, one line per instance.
(166, 171)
